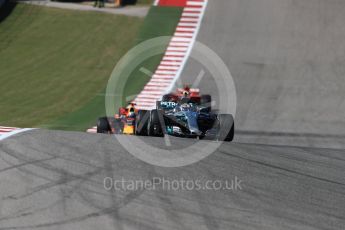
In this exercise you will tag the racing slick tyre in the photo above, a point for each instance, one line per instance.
(141, 122)
(154, 126)
(226, 128)
(206, 100)
(103, 125)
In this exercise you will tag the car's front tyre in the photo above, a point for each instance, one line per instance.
(226, 127)
(154, 126)
(141, 122)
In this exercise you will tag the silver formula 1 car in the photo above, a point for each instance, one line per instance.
(185, 114)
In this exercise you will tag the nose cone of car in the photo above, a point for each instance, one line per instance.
(192, 118)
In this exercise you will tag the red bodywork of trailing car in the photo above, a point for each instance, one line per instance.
(186, 92)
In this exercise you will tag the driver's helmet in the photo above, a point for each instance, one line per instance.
(185, 107)
(131, 112)
(185, 93)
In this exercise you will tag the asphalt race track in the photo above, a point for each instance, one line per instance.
(286, 58)
(54, 180)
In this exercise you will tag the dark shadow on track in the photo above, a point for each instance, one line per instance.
(6, 9)
(129, 2)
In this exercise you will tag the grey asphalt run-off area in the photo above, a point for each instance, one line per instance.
(286, 58)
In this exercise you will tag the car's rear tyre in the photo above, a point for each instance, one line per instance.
(206, 100)
(154, 126)
(103, 125)
(226, 128)
(141, 122)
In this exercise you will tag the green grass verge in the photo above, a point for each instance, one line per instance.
(55, 64)
(54, 61)
(160, 21)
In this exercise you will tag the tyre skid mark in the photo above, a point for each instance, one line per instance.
(67, 178)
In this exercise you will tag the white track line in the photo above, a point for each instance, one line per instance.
(92, 130)
(9, 133)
